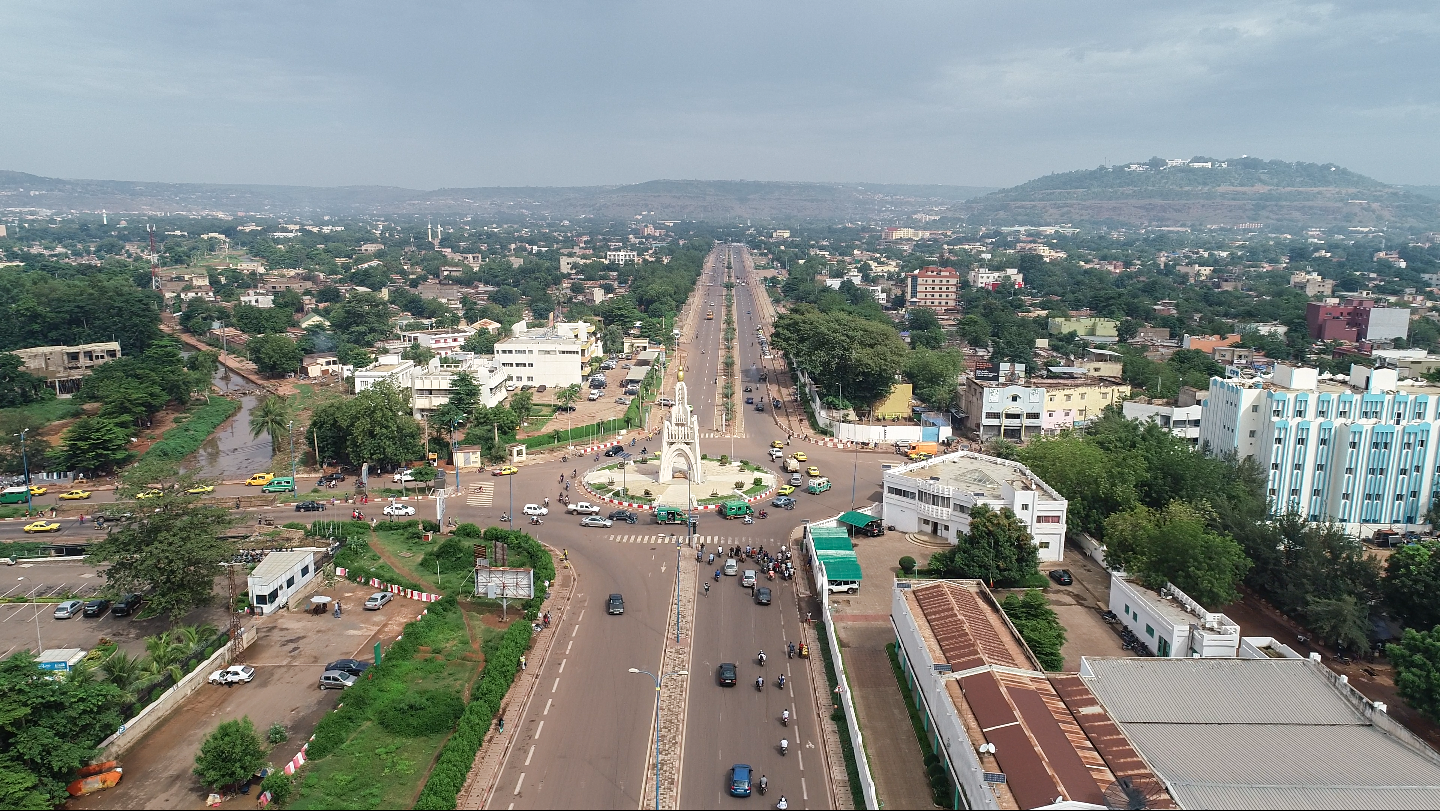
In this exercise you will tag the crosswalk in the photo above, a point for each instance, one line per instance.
(700, 540)
(481, 495)
(718, 435)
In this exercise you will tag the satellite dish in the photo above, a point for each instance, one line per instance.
(1134, 793)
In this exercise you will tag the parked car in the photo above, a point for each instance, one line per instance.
(68, 609)
(762, 596)
(596, 521)
(1062, 576)
(97, 607)
(336, 680)
(124, 606)
(405, 476)
(615, 605)
(354, 667)
(378, 600)
(308, 506)
(775, 402)
(726, 673)
(331, 477)
(398, 509)
(535, 509)
(234, 674)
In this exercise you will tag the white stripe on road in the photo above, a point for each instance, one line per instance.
(518, 782)
(804, 795)
(557, 684)
(800, 756)
(562, 665)
(567, 647)
(574, 631)
(532, 754)
(547, 706)
(581, 617)
(537, 731)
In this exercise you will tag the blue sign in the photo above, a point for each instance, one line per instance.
(994, 777)
(62, 666)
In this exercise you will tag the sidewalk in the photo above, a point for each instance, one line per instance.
(491, 758)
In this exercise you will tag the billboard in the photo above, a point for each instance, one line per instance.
(511, 584)
(986, 371)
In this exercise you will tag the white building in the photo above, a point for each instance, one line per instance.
(430, 385)
(992, 279)
(1182, 421)
(1359, 450)
(621, 257)
(257, 299)
(1170, 623)
(388, 368)
(937, 496)
(278, 576)
(549, 356)
(440, 341)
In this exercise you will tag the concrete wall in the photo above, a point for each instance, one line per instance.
(133, 730)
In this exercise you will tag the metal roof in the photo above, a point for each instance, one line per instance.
(276, 564)
(828, 544)
(857, 519)
(828, 532)
(841, 568)
(1263, 733)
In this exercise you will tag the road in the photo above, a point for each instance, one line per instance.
(594, 745)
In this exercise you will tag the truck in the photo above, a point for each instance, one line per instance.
(923, 450)
(583, 508)
(736, 509)
(792, 466)
(817, 486)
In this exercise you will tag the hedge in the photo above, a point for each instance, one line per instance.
(187, 437)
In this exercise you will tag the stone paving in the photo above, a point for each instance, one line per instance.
(480, 783)
(674, 692)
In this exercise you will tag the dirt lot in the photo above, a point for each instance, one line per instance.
(288, 656)
(1079, 605)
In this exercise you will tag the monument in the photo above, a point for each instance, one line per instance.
(680, 438)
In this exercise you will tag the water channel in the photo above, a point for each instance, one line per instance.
(231, 453)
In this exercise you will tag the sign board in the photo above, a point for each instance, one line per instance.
(512, 584)
(994, 777)
(61, 666)
(987, 371)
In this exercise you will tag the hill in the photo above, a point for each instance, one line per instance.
(1206, 191)
(702, 200)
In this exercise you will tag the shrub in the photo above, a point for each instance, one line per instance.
(724, 458)
(415, 715)
(277, 734)
(230, 754)
(429, 526)
(295, 525)
(759, 481)
(907, 565)
(279, 784)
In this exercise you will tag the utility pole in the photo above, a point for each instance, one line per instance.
(290, 429)
(29, 503)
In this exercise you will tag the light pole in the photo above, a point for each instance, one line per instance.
(290, 427)
(29, 503)
(657, 680)
(453, 460)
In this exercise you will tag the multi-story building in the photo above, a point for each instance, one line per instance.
(1233, 355)
(64, 366)
(938, 495)
(1313, 284)
(430, 385)
(1182, 421)
(1103, 330)
(440, 341)
(1360, 451)
(996, 401)
(1169, 623)
(391, 369)
(621, 257)
(1358, 319)
(902, 233)
(934, 287)
(1074, 402)
(994, 278)
(548, 356)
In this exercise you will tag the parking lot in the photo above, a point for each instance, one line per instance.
(288, 657)
(1078, 608)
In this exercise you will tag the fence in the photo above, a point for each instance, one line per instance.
(857, 740)
(881, 434)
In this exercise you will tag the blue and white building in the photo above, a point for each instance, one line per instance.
(1359, 450)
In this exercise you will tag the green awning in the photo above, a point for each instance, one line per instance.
(857, 519)
(841, 568)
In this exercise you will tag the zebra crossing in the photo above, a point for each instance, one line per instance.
(718, 435)
(700, 540)
(481, 495)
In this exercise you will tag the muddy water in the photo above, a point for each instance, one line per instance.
(230, 452)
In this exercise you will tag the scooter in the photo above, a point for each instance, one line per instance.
(763, 513)
(717, 575)
(748, 520)
(780, 683)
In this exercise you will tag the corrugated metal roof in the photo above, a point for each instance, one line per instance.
(830, 544)
(1205, 691)
(856, 519)
(1288, 797)
(816, 533)
(278, 563)
(841, 568)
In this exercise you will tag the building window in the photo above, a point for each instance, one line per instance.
(1149, 631)
(290, 582)
(1252, 434)
(1047, 519)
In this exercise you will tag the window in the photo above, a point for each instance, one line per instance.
(1044, 544)
(290, 582)
(1047, 519)
(1252, 434)
(305, 570)
(1149, 631)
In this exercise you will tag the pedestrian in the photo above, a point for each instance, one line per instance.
(502, 725)
(522, 662)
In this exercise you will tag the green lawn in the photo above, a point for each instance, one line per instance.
(46, 410)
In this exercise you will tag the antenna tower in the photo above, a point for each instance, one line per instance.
(154, 260)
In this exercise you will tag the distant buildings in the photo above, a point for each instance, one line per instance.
(998, 400)
(894, 234)
(994, 279)
(1102, 330)
(1358, 319)
(429, 386)
(65, 366)
(1313, 284)
(621, 257)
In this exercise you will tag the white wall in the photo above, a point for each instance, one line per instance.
(303, 571)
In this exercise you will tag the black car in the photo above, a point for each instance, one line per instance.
(727, 674)
(749, 400)
(615, 605)
(775, 402)
(623, 515)
(354, 667)
(309, 507)
(97, 607)
(614, 450)
(759, 406)
(126, 605)
(762, 596)
(331, 477)
(1061, 576)
(749, 389)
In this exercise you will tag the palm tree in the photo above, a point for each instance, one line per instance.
(165, 657)
(273, 418)
(121, 669)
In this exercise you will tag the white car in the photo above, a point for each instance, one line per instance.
(584, 508)
(405, 476)
(596, 521)
(535, 509)
(377, 601)
(398, 509)
(234, 674)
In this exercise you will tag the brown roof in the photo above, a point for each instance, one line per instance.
(1122, 759)
(969, 633)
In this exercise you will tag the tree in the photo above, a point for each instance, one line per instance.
(49, 728)
(362, 319)
(1127, 329)
(17, 386)
(1081, 471)
(272, 417)
(421, 355)
(275, 355)
(481, 343)
(93, 444)
(568, 396)
(1343, 622)
(173, 551)
(924, 327)
(1175, 545)
(845, 355)
(1038, 625)
(935, 376)
(997, 549)
(1412, 580)
(425, 474)
(375, 426)
(1416, 658)
(464, 394)
(230, 754)
(521, 404)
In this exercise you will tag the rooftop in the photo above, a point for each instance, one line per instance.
(278, 563)
(976, 474)
(1263, 733)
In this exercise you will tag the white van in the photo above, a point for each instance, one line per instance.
(594, 395)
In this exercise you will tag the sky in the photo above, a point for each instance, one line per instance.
(611, 92)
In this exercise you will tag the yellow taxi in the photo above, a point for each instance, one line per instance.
(75, 495)
(508, 470)
(259, 479)
(812, 471)
(201, 489)
(37, 490)
(800, 456)
(43, 526)
(786, 490)
(151, 493)
(775, 443)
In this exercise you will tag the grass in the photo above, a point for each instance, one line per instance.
(359, 560)
(11, 511)
(192, 429)
(410, 548)
(45, 411)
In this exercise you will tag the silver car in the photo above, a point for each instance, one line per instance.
(336, 680)
(68, 609)
(377, 601)
(596, 521)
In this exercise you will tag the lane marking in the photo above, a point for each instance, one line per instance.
(800, 756)
(518, 782)
(536, 736)
(574, 631)
(567, 647)
(804, 795)
(562, 665)
(532, 754)
(557, 684)
(547, 706)
(581, 617)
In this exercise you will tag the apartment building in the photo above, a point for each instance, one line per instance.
(994, 279)
(549, 356)
(65, 366)
(1360, 450)
(1358, 319)
(430, 385)
(1313, 284)
(1182, 421)
(440, 341)
(1103, 330)
(934, 287)
(1074, 402)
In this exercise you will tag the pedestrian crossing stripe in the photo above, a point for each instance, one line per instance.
(716, 435)
(481, 495)
(700, 540)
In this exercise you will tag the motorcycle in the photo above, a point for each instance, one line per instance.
(763, 513)
(785, 718)
(764, 784)
(717, 575)
(761, 658)
(784, 746)
(780, 683)
(759, 683)
(748, 520)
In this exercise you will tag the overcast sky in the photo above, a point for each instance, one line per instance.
(493, 93)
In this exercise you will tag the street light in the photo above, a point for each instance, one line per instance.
(25, 460)
(657, 680)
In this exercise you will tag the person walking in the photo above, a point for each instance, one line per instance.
(522, 662)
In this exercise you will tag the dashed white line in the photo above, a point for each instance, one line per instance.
(804, 795)
(547, 706)
(800, 756)
(557, 684)
(581, 617)
(518, 782)
(530, 755)
(574, 631)
(567, 647)
(537, 731)
(562, 665)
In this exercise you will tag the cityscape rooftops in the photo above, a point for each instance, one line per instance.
(975, 473)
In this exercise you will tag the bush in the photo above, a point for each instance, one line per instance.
(277, 734)
(759, 481)
(295, 525)
(230, 754)
(427, 712)
(907, 565)
(279, 784)
(187, 437)
(429, 526)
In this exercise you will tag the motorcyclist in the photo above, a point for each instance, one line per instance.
(707, 589)
(759, 682)
(782, 805)
(792, 650)
(761, 657)
(785, 718)
(784, 745)
(782, 680)
(764, 783)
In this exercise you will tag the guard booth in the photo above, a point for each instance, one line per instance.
(863, 524)
(278, 576)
